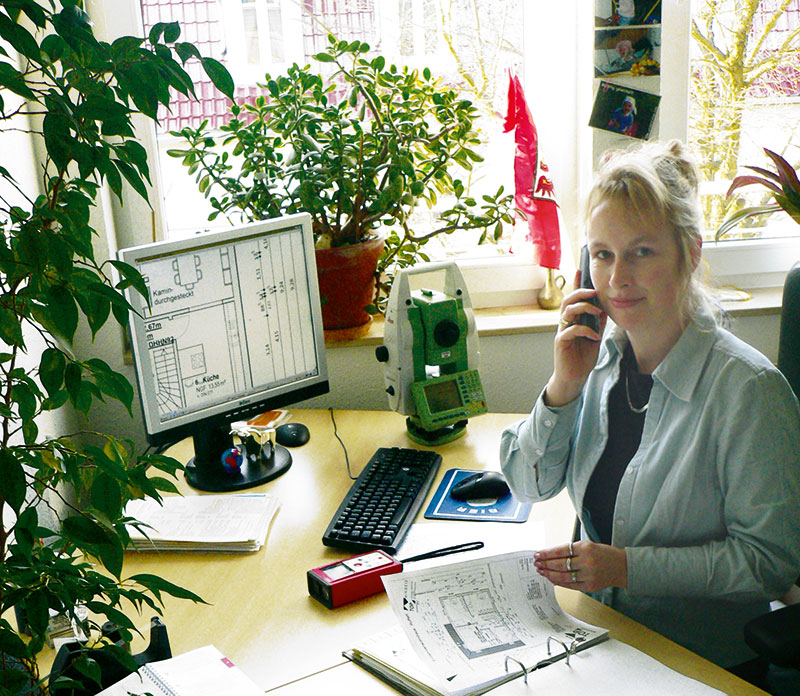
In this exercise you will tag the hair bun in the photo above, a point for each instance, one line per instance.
(681, 159)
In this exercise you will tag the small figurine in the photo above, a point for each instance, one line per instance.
(232, 460)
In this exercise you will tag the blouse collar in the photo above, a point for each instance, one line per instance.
(681, 368)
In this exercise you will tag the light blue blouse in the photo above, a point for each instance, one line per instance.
(708, 509)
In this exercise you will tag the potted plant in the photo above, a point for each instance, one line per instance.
(360, 150)
(782, 184)
(78, 94)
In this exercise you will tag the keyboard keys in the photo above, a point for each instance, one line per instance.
(382, 503)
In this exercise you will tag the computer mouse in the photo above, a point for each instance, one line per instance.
(484, 484)
(292, 434)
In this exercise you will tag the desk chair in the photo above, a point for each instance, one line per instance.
(775, 637)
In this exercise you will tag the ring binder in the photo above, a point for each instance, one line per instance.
(390, 657)
(570, 649)
(567, 650)
(523, 673)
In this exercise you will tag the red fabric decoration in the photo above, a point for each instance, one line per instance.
(537, 201)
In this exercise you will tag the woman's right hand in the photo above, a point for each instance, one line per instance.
(576, 347)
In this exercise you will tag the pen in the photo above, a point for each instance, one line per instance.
(471, 546)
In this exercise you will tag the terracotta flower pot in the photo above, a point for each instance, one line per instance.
(347, 282)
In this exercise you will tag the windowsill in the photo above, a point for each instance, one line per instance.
(521, 319)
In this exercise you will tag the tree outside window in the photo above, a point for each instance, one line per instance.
(745, 95)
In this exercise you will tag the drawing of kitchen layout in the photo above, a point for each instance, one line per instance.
(225, 318)
(476, 625)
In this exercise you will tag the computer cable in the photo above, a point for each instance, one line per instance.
(341, 442)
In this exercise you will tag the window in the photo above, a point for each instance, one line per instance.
(472, 44)
(745, 89)
(745, 95)
(252, 45)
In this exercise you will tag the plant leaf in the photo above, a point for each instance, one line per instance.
(749, 180)
(157, 584)
(219, 76)
(51, 370)
(106, 495)
(63, 311)
(786, 171)
(12, 480)
(731, 222)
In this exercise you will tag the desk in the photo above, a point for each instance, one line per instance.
(259, 611)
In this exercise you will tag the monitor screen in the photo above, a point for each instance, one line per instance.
(233, 329)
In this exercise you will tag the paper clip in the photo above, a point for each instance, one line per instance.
(567, 650)
(524, 669)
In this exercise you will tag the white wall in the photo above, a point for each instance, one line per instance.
(513, 368)
(19, 157)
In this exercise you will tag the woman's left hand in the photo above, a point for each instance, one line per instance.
(583, 565)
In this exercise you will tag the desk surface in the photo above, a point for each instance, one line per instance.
(259, 612)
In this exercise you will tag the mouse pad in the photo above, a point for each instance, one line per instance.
(443, 507)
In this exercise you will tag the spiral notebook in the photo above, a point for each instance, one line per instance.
(201, 672)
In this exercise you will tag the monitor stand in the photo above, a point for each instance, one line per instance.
(206, 472)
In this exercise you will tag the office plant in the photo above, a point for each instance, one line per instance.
(77, 96)
(360, 145)
(782, 185)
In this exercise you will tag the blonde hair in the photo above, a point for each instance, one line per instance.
(660, 179)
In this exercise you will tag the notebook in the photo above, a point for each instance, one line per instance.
(201, 672)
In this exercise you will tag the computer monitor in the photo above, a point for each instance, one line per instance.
(233, 329)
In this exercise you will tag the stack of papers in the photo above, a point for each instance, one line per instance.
(202, 522)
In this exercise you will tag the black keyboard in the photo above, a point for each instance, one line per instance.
(383, 501)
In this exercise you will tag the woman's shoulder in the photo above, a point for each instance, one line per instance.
(737, 370)
(738, 354)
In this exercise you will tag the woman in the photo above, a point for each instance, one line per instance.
(678, 443)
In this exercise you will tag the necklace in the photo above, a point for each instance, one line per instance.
(633, 408)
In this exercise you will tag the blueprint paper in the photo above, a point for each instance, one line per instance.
(465, 619)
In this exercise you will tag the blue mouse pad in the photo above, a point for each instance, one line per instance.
(443, 507)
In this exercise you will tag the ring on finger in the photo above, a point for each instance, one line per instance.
(564, 324)
(569, 563)
(574, 576)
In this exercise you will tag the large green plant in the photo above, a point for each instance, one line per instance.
(79, 95)
(359, 150)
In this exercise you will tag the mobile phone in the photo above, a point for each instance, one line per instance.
(590, 320)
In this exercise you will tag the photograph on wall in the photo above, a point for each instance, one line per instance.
(634, 50)
(616, 13)
(624, 110)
